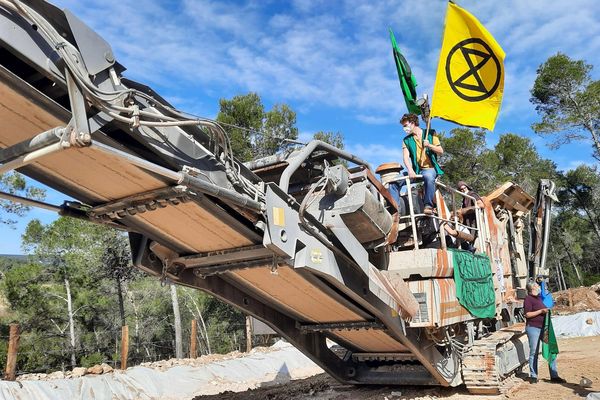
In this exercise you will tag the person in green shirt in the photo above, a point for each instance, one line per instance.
(420, 156)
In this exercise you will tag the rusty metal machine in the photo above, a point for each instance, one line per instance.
(314, 248)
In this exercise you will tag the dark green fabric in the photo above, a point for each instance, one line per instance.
(548, 338)
(474, 283)
(410, 143)
(408, 83)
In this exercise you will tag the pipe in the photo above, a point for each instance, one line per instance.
(29, 202)
(28, 158)
(64, 210)
(35, 143)
(139, 162)
(217, 191)
(185, 179)
(549, 198)
(296, 162)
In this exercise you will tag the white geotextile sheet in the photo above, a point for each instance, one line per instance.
(282, 364)
(577, 324)
(181, 382)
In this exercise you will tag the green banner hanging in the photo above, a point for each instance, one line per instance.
(473, 277)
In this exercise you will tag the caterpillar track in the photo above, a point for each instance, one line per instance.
(492, 359)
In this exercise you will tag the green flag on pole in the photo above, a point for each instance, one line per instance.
(408, 83)
(549, 344)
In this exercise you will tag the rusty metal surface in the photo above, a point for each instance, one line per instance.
(482, 368)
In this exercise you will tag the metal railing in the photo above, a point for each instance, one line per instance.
(481, 227)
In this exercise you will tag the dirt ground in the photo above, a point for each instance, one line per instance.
(579, 358)
(578, 299)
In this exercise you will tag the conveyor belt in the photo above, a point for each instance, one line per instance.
(97, 177)
(297, 296)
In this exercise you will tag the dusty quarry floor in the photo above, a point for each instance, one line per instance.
(579, 357)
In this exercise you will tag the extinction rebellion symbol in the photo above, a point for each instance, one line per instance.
(467, 82)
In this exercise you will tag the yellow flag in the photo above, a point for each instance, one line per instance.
(470, 77)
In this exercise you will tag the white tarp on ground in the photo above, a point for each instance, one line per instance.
(580, 324)
(280, 365)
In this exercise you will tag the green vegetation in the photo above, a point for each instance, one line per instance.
(569, 102)
(72, 297)
(14, 183)
(255, 133)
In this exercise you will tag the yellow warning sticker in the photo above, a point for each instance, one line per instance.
(316, 256)
(278, 216)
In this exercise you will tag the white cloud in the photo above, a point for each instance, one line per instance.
(375, 119)
(376, 154)
(317, 54)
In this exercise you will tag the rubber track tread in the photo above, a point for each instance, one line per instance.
(480, 370)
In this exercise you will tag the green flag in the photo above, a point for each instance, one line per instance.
(549, 344)
(408, 83)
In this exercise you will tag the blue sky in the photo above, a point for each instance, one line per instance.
(330, 61)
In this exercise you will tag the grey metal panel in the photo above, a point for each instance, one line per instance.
(95, 51)
(515, 353)
(29, 45)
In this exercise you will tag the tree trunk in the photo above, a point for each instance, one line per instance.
(177, 315)
(71, 323)
(208, 349)
(203, 331)
(572, 262)
(248, 334)
(121, 305)
(137, 323)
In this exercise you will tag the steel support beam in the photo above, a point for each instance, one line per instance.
(30, 157)
(182, 178)
(30, 202)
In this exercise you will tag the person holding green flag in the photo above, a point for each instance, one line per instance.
(537, 327)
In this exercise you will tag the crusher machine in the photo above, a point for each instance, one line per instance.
(309, 241)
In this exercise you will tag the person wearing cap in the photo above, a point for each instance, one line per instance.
(468, 205)
(420, 156)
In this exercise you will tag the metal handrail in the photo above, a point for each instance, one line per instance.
(478, 210)
(297, 161)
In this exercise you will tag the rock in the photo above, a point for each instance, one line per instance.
(585, 382)
(96, 370)
(106, 368)
(79, 372)
(56, 375)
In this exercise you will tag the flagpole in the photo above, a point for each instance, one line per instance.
(425, 135)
